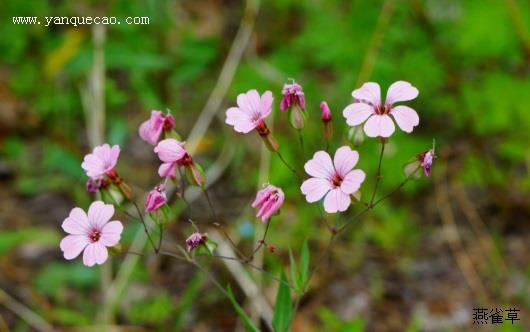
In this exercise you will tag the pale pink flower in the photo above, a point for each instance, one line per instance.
(325, 112)
(101, 161)
(336, 180)
(268, 201)
(195, 240)
(251, 111)
(155, 199)
(91, 233)
(172, 153)
(293, 94)
(150, 130)
(369, 107)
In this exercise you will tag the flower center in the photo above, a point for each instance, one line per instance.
(383, 109)
(94, 236)
(336, 180)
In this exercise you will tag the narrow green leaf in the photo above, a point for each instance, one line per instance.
(283, 309)
(249, 324)
(304, 266)
(295, 276)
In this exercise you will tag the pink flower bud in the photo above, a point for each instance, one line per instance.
(293, 95)
(155, 199)
(195, 240)
(94, 185)
(325, 112)
(268, 201)
(426, 159)
(151, 129)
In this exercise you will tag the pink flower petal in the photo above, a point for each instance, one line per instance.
(344, 160)
(240, 120)
(76, 223)
(72, 245)
(336, 201)
(244, 104)
(144, 132)
(400, 91)
(111, 233)
(406, 117)
(314, 189)
(357, 113)
(100, 213)
(379, 125)
(352, 181)
(167, 170)
(320, 166)
(95, 253)
(170, 150)
(369, 92)
(266, 104)
(253, 100)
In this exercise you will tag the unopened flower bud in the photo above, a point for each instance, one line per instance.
(195, 175)
(268, 201)
(94, 185)
(155, 199)
(294, 100)
(326, 120)
(194, 240)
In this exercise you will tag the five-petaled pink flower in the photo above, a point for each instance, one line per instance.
(195, 240)
(150, 130)
(293, 94)
(251, 112)
(369, 107)
(155, 199)
(172, 153)
(268, 201)
(101, 161)
(91, 233)
(336, 179)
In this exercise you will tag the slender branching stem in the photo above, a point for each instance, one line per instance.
(141, 216)
(378, 175)
(262, 241)
(286, 163)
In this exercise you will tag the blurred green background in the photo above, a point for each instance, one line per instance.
(419, 262)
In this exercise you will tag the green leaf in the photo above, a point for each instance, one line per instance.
(283, 309)
(295, 276)
(55, 276)
(249, 324)
(11, 239)
(304, 265)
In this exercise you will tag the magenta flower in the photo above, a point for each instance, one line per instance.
(325, 112)
(155, 199)
(101, 161)
(195, 240)
(293, 94)
(368, 107)
(172, 153)
(426, 159)
(91, 233)
(336, 180)
(268, 201)
(150, 130)
(94, 185)
(251, 112)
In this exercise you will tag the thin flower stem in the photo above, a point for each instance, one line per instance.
(378, 176)
(145, 226)
(161, 231)
(262, 241)
(216, 222)
(301, 139)
(183, 192)
(286, 163)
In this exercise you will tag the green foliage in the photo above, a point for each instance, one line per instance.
(300, 274)
(332, 323)
(247, 321)
(14, 238)
(283, 308)
(151, 310)
(53, 277)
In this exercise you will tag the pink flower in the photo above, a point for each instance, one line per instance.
(426, 159)
(293, 94)
(268, 201)
(336, 180)
(93, 185)
(155, 199)
(368, 107)
(325, 112)
(172, 153)
(150, 130)
(195, 240)
(101, 161)
(91, 233)
(251, 112)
